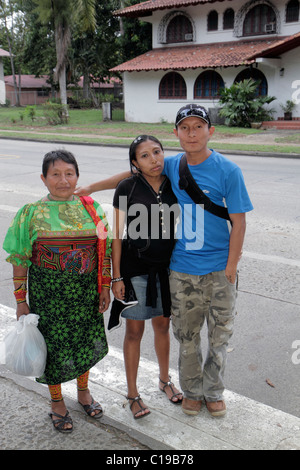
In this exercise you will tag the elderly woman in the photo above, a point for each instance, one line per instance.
(64, 243)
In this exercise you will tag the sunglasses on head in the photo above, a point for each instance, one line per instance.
(197, 112)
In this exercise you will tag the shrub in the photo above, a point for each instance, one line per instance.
(54, 113)
(31, 112)
(242, 106)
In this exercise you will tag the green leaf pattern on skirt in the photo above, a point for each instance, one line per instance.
(73, 328)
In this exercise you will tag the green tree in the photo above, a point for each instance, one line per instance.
(95, 52)
(13, 31)
(135, 35)
(242, 105)
(63, 15)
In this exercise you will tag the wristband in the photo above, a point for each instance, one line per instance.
(20, 295)
(116, 279)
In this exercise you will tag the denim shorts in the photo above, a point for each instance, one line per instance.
(140, 311)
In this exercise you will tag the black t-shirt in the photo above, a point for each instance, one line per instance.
(150, 224)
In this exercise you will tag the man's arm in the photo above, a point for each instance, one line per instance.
(235, 245)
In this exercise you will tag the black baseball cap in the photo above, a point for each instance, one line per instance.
(192, 110)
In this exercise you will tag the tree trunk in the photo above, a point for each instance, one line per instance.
(61, 44)
(63, 92)
(86, 85)
(17, 96)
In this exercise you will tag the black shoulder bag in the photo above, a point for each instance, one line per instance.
(187, 183)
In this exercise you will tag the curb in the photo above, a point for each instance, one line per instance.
(292, 156)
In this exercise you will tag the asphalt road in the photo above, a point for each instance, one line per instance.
(263, 363)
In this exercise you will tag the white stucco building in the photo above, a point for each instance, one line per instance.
(199, 46)
(3, 53)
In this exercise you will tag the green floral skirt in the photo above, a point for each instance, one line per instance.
(73, 328)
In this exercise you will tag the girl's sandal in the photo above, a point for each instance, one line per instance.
(171, 385)
(59, 424)
(138, 400)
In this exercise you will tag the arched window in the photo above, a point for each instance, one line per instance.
(172, 86)
(292, 11)
(180, 29)
(208, 85)
(212, 21)
(258, 76)
(261, 19)
(228, 19)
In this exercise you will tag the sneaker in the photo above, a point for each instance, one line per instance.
(191, 407)
(216, 408)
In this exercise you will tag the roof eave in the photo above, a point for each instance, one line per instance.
(134, 11)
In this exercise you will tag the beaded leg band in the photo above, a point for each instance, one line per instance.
(55, 392)
(82, 381)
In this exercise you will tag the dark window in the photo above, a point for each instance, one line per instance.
(258, 76)
(260, 20)
(292, 11)
(208, 85)
(228, 19)
(179, 29)
(43, 92)
(172, 86)
(212, 21)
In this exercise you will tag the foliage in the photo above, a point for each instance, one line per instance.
(54, 113)
(288, 106)
(242, 105)
(136, 35)
(31, 112)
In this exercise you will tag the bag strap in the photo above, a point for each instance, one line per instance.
(88, 203)
(188, 184)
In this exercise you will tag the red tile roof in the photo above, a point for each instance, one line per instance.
(29, 81)
(214, 55)
(145, 8)
(281, 46)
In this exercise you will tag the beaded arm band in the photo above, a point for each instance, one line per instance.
(106, 273)
(21, 291)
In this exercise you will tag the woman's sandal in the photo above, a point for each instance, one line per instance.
(60, 423)
(137, 400)
(92, 408)
(171, 385)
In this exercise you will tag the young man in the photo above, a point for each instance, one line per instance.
(203, 277)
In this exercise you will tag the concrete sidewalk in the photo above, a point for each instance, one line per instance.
(25, 424)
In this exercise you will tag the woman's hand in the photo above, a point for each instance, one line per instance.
(118, 289)
(22, 309)
(104, 299)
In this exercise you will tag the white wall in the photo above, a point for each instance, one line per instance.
(287, 87)
(199, 13)
(143, 105)
(2, 84)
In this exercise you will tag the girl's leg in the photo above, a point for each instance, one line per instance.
(162, 348)
(57, 404)
(131, 348)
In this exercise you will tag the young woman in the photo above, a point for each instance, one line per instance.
(140, 260)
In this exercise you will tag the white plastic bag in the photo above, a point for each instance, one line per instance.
(24, 350)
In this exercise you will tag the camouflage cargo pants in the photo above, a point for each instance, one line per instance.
(210, 297)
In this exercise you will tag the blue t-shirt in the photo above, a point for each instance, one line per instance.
(202, 238)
